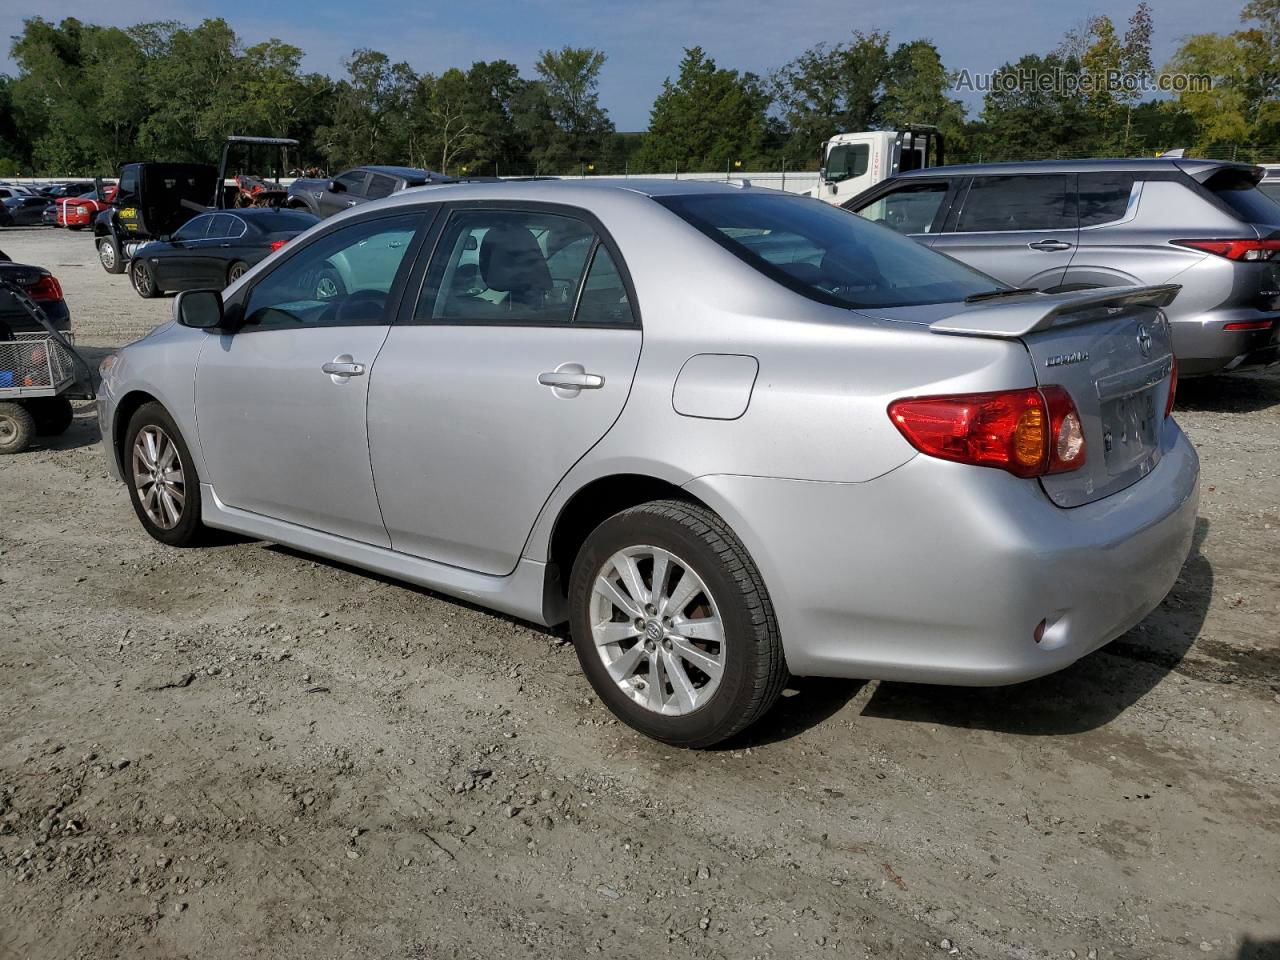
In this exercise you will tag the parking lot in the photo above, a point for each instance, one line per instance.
(242, 751)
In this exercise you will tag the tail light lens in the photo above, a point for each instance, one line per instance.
(1249, 325)
(277, 244)
(1251, 251)
(46, 288)
(1173, 388)
(1029, 433)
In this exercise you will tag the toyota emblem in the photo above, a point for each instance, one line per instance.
(1144, 339)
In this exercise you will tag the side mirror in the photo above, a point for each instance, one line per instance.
(337, 186)
(199, 309)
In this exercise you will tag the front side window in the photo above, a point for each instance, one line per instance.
(506, 266)
(342, 279)
(1039, 202)
(909, 209)
(197, 228)
(353, 180)
(847, 160)
(826, 253)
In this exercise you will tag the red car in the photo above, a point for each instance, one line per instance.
(76, 213)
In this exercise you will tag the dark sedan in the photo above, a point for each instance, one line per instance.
(214, 249)
(23, 210)
(42, 287)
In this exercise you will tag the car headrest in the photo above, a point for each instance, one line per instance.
(511, 261)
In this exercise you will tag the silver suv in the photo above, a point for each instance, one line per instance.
(1076, 224)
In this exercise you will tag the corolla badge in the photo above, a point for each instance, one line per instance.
(1144, 339)
(1062, 359)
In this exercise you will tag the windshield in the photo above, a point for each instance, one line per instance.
(825, 253)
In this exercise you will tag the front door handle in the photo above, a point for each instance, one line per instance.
(571, 380)
(1050, 246)
(342, 367)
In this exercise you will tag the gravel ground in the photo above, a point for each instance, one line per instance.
(240, 751)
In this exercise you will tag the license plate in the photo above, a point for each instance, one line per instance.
(1129, 427)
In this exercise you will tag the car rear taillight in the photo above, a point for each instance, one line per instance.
(1029, 433)
(1173, 388)
(46, 288)
(1250, 251)
(1249, 325)
(277, 244)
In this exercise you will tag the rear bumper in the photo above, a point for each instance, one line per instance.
(940, 573)
(1203, 346)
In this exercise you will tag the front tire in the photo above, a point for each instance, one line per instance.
(109, 255)
(143, 282)
(163, 484)
(237, 270)
(673, 625)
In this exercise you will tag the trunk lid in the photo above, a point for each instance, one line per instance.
(1110, 349)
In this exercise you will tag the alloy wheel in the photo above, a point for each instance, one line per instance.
(237, 272)
(657, 630)
(142, 281)
(158, 476)
(326, 288)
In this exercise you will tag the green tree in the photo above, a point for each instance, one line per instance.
(560, 112)
(1027, 121)
(915, 92)
(706, 118)
(370, 111)
(830, 89)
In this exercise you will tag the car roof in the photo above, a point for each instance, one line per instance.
(409, 173)
(561, 191)
(262, 213)
(1191, 166)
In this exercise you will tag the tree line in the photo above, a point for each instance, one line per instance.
(85, 98)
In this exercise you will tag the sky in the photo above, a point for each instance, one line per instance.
(644, 40)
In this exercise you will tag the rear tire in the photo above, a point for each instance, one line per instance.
(109, 255)
(689, 663)
(17, 428)
(144, 284)
(237, 270)
(163, 484)
(53, 415)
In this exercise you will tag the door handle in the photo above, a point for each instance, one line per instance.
(342, 367)
(351, 203)
(570, 380)
(1050, 246)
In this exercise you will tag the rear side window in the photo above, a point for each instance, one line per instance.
(1104, 197)
(604, 298)
(1041, 202)
(825, 253)
(1237, 190)
(380, 186)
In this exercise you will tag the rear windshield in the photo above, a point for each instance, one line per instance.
(1240, 194)
(281, 220)
(828, 254)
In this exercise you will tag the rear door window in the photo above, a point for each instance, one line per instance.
(380, 186)
(1104, 197)
(909, 209)
(1038, 202)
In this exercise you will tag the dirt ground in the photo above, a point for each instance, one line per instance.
(240, 751)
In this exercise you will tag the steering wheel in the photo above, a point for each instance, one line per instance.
(362, 306)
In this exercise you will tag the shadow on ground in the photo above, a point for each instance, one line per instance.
(1091, 692)
(1233, 393)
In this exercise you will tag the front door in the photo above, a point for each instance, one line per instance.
(1022, 229)
(281, 403)
(507, 371)
(915, 208)
(353, 184)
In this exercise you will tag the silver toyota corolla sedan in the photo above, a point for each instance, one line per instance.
(728, 434)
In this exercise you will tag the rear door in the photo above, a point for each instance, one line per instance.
(1022, 229)
(516, 358)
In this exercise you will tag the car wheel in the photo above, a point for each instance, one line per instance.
(238, 270)
(162, 479)
(109, 255)
(53, 415)
(673, 625)
(329, 284)
(17, 428)
(143, 281)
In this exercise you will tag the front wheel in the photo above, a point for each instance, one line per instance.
(673, 625)
(143, 282)
(109, 255)
(17, 428)
(162, 479)
(238, 270)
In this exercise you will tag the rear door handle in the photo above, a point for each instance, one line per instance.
(341, 367)
(1050, 246)
(568, 380)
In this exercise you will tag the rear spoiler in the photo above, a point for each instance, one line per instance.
(1019, 316)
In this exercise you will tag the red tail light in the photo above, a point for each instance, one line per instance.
(1249, 325)
(1246, 250)
(1028, 432)
(277, 244)
(1173, 388)
(46, 288)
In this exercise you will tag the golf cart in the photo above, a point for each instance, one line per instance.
(155, 199)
